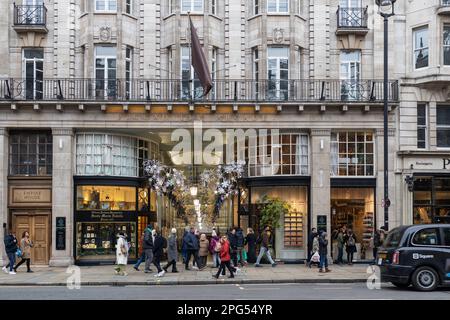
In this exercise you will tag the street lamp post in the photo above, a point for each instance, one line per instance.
(386, 10)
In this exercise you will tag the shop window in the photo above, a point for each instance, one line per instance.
(106, 198)
(30, 154)
(420, 38)
(288, 153)
(293, 223)
(353, 208)
(427, 237)
(443, 126)
(97, 240)
(431, 199)
(352, 154)
(422, 126)
(112, 155)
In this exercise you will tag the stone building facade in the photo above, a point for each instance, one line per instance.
(77, 75)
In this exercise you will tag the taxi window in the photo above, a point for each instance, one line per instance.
(427, 237)
(446, 236)
(393, 239)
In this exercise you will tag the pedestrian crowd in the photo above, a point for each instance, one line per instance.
(229, 251)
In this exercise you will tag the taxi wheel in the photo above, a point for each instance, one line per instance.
(425, 279)
(401, 285)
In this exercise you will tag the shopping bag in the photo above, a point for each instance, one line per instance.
(315, 257)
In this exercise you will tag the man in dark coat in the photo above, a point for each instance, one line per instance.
(240, 242)
(10, 242)
(158, 250)
(323, 252)
(192, 246)
(148, 248)
(233, 240)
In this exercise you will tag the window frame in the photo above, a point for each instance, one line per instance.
(192, 7)
(129, 7)
(337, 165)
(426, 47)
(445, 127)
(17, 165)
(445, 45)
(277, 6)
(422, 126)
(128, 71)
(107, 6)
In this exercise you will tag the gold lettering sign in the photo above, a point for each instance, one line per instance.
(31, 196)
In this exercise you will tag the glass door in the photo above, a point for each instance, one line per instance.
(33, 11)
(105, 73)
(33, 73)
(350, 13)
(278, 73)
(350, 75)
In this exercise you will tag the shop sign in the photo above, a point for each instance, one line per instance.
(322, 223)
(27, 196)
(60, 233)
(429, 164)
(107, 215)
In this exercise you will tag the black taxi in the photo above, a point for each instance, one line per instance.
(417, 255)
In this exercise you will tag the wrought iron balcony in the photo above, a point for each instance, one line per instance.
(352, 20)
(168, 91)
(30, 17)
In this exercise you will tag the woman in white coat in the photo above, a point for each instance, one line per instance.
(121, 255)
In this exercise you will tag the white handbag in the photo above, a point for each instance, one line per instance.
(315, 257)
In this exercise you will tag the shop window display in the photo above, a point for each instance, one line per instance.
(106, 198)
(291, 234)
(98, 240)
(354, 208)
(431, 199)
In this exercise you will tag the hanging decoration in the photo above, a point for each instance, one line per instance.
(215, 186)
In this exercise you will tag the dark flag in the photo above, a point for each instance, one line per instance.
(199, 61)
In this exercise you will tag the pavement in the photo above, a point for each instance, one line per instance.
(104, 275)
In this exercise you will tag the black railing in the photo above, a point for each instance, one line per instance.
(179, 90)
(445, 3)
(30, 15)
(351, 17)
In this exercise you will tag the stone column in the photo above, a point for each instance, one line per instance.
(3, 189)
(62, 193)
(320, 179)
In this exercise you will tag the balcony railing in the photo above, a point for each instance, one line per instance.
(141, 90)
(445, 3)
(30, 15)
(351, 17)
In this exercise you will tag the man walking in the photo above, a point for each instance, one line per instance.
(265, 248)
(192, 247)
(172, 252)
(323, 252)
(148, 248)
(10, 242)
(240, 240)
(340, 245)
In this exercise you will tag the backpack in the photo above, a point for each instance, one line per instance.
(351, 241)
(164, 240)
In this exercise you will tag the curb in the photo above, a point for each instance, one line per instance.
(187, 283)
